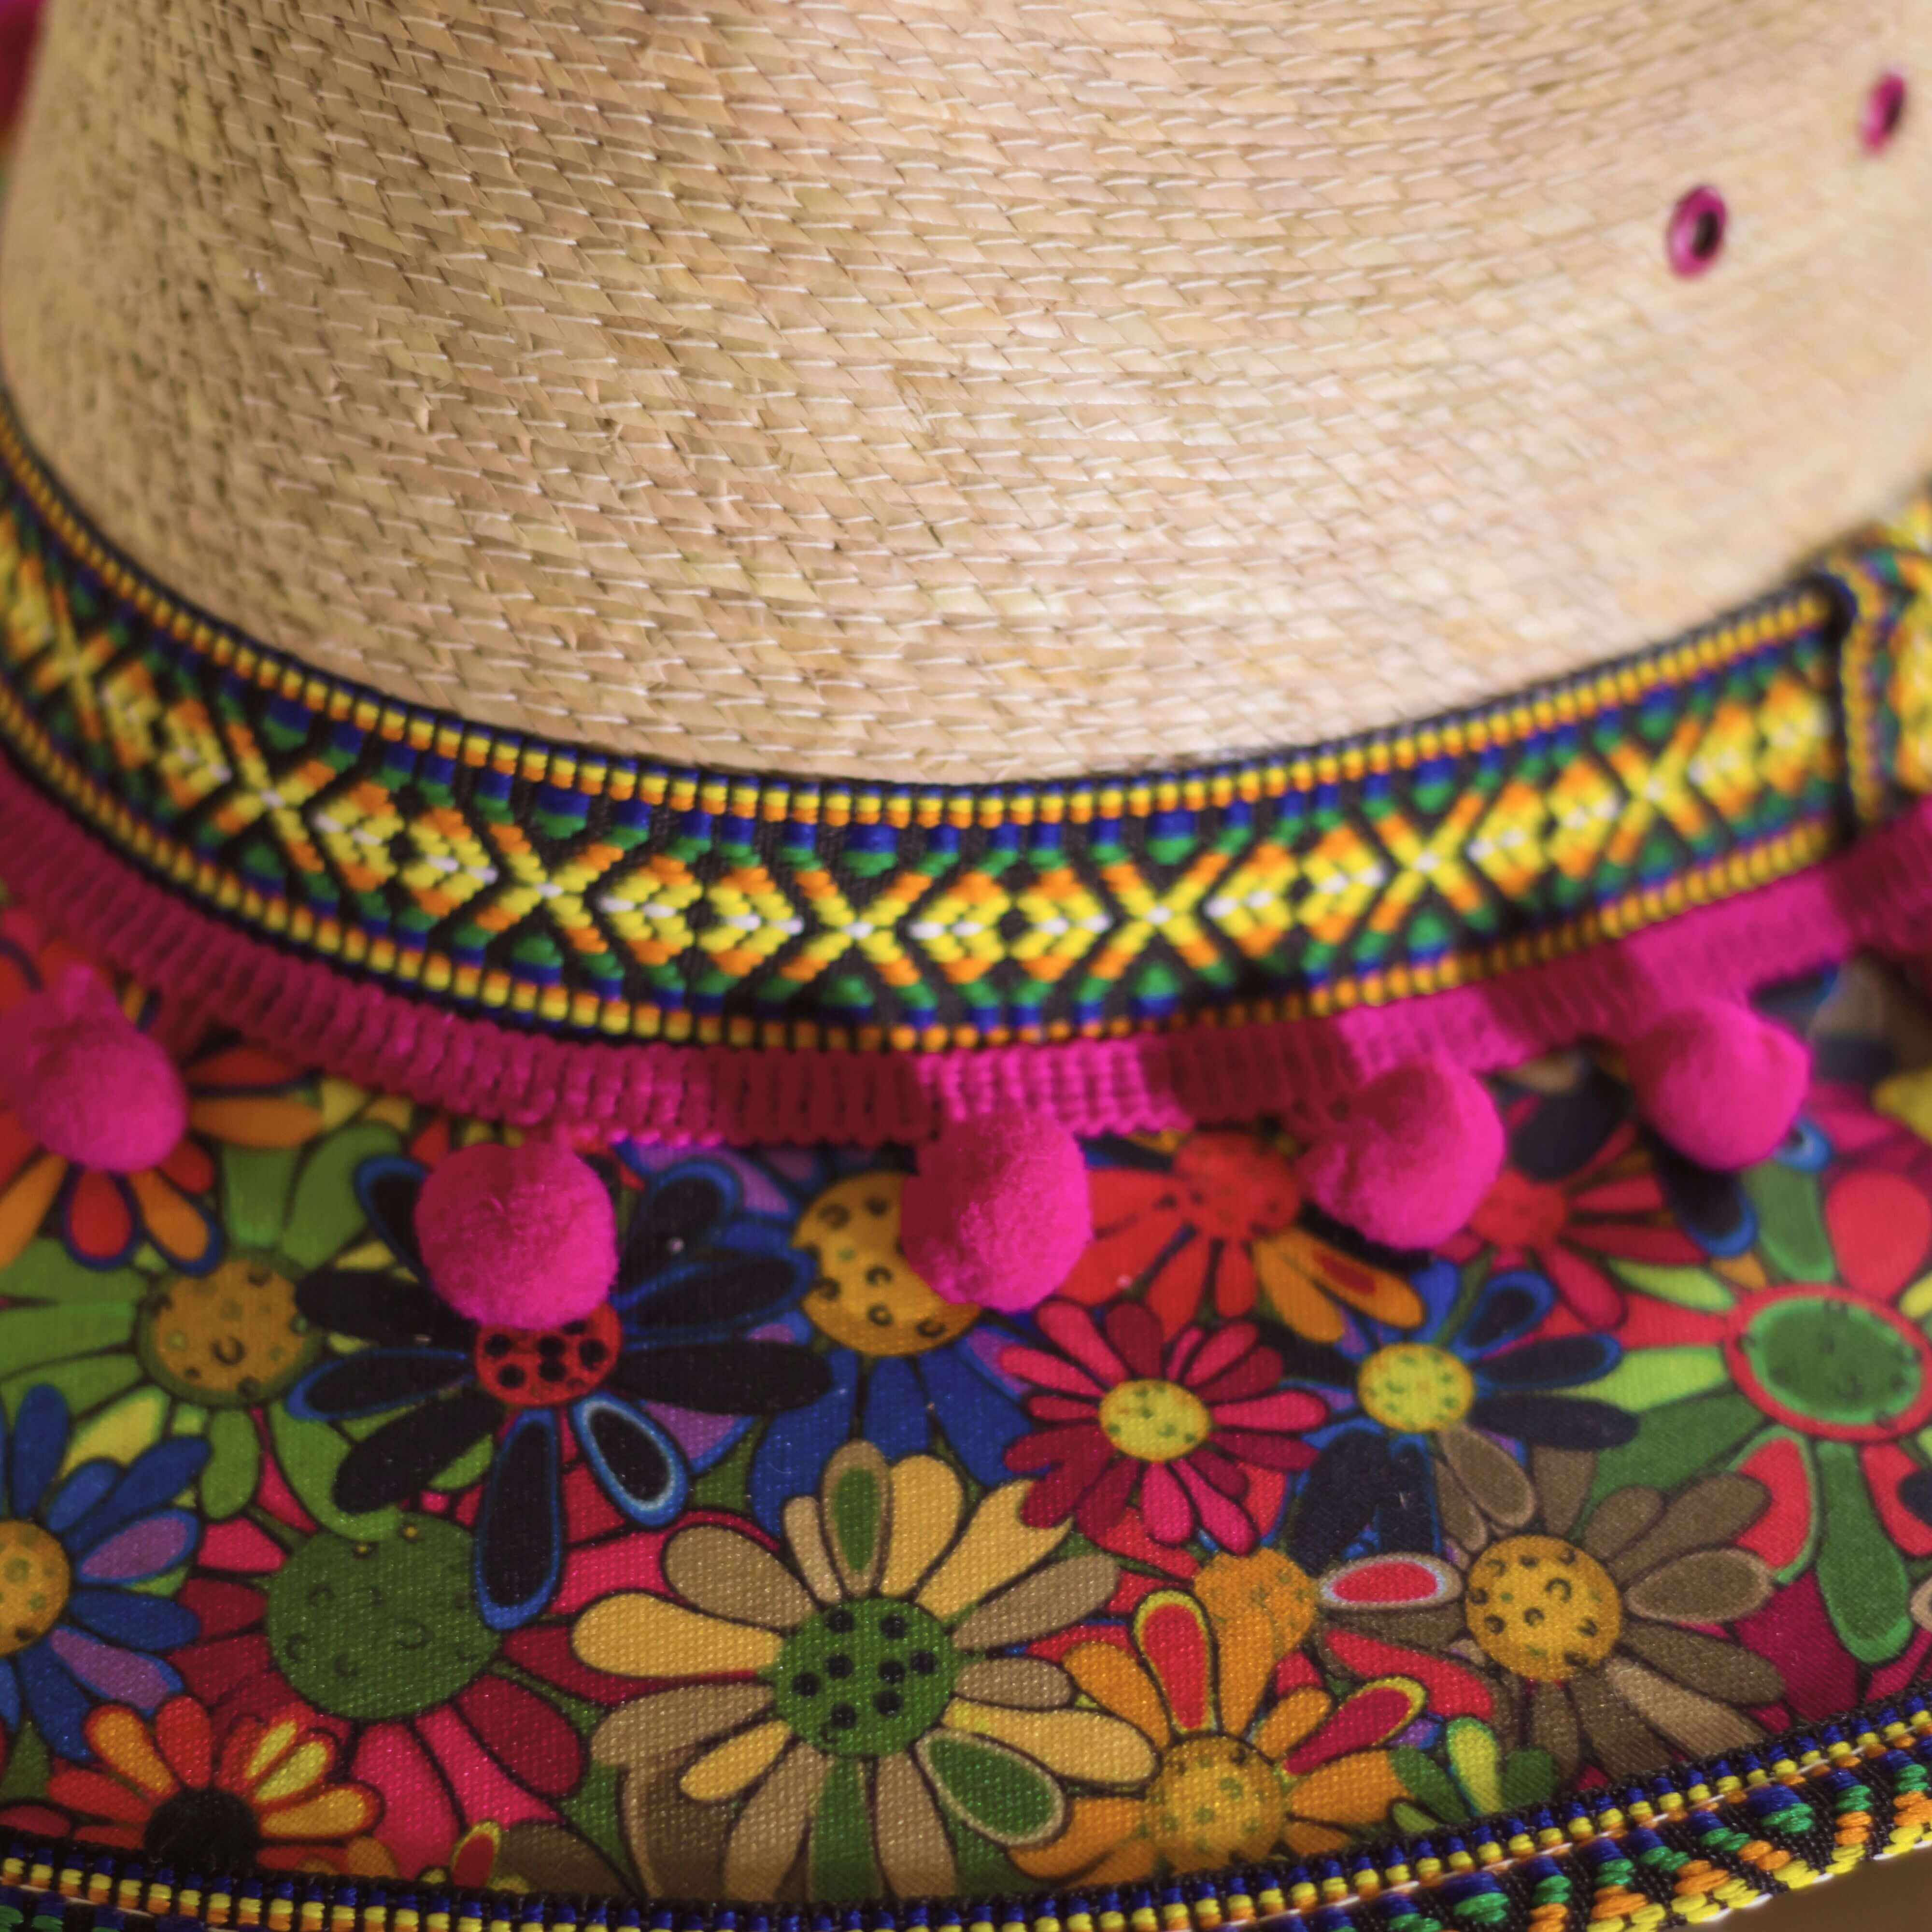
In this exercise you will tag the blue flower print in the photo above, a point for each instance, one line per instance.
(75, 1627)
(1475, 1369)
(905, 1366)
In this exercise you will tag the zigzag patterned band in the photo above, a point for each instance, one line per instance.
(612, 898)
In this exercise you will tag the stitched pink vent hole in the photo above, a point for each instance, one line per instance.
(1885, 112)
(1696, 238)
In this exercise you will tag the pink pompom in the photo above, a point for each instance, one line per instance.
(1412, 1158)
(997, 1213)
(518, 1236)
(1720, 1084)
(19, 30)
(86, 1082)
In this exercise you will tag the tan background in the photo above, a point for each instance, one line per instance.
(949, 389)
(1895, 1896)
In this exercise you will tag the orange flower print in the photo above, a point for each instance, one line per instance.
(259, 1792)
(1240, 1771)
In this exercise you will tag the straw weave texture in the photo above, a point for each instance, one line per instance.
(959, 389)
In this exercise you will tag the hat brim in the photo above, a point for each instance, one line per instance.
(1256, 1546)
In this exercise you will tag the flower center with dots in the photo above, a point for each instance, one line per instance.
(379, 1631)
(866, 1679)
(868, 1296)
(1542, 1608)
(1214, 1802)
(538, 1368)
(1519, 1213)
(1154, 1421)
(1235, 1187)
(1265, 1585)
(1413, 1387)
(1826, 1362)
(228, 1339)
(36, 1579)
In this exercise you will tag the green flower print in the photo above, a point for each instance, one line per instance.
(142, 1353)
(1812, 1374)
(1468, 1775)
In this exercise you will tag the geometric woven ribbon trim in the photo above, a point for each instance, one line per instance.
(1886, 662)
(617, 898)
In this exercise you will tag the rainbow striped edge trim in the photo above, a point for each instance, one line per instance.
(562, 893)
(1681, 1849)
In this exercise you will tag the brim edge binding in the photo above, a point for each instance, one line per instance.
(1675, 1836)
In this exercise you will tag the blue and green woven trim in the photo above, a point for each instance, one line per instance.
(612, 897)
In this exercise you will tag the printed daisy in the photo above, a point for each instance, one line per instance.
(669, 1354)
(1237, 1774)
(237, 1094)
(1478, 1362)
(451, 1723)
(1319, 1627)
(256, 1792)
(1819, 1383)
(906, 1366)
(1218, 1216)
(1590, 1628)
(141, 1356)
(1198, 1429)
(1581, 1195)
(75, 1549)
(846, 1708)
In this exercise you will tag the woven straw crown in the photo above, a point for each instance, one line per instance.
(619, 1303)
(948, 391)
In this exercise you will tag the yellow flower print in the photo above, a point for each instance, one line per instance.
(833, 1707)
(1236, 1775)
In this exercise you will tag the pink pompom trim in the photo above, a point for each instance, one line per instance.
(1720, 1083)
(998, 1212)
(19, 34)
(86, 1082)
(1878, 893)
(518, 1236)
(1411, 1157)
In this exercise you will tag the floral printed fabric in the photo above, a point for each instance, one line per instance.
(777, 1576)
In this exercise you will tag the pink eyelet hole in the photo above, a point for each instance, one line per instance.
(1696, 236)
(1885, 112)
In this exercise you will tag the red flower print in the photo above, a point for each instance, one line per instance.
(1220, 1216)
(1611, 1208)
(449, 1723)
(1197, 1428)
(1794, 1632)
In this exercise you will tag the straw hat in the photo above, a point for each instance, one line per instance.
(937, 393)
(965, 961)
